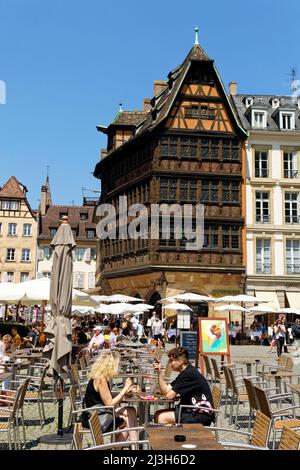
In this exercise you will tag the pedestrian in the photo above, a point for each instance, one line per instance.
(280, 331)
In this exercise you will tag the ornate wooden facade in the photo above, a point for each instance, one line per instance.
(188, 147)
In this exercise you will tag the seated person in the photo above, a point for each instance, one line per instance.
(98, 393)
(190, 386)
(97, 340)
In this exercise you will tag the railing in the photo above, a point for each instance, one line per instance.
(261, 173)
(290, 173)
(262, 218)
(293, 268)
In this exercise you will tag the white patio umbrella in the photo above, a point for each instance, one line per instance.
(10, 292)
(100, 298)
(176, 307)
(118, 308)
(263, 309)
(123, 298)
(82, 311)
(191, 297)
(230, 307)
(295, 311)
(144, 307)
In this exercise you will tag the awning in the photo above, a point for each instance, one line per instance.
(294, 299)
(268, 296)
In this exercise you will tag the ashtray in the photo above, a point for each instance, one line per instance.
(179, 438)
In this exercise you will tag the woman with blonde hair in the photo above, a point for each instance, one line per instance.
(98, 393)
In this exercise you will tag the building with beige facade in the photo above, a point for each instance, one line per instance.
(84, 231)
(272, 196)
(18, 233)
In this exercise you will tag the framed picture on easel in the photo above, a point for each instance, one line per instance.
(213, 338)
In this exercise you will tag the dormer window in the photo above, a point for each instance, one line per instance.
(275, 103)
(259, 119)
(248, 102)
(287, 121)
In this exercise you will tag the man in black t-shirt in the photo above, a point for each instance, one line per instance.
(192, 389)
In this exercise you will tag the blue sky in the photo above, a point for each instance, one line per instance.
(67, 65)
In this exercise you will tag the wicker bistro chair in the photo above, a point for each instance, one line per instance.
(98, 436)
(9, 415)
(77, 442)
(257, 440)
(279, 417)
(238, 394)
(289, 439)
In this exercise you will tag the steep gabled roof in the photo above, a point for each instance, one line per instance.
(13, 188)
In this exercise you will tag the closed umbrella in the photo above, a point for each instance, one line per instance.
(59, 331)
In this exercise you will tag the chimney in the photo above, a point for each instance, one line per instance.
(232, 88)
(159, 85)
(147, 104)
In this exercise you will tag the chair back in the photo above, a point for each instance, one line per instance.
(232, 380)
(77, 437)
(74, 374)
(282, 361)
(289, 363)
(289, 439)
(74, 395)
(227, 378)
(263, 402)
(251, 394)
(207, 365)
(82, 362)
(95, 428)
(23, 393)
(216, 369)
(216, 396)
(261, 430)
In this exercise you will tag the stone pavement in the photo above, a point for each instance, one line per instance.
(239, 354)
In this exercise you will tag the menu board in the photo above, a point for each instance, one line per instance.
(188, 340)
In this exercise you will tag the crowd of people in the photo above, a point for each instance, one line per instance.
(13, 341)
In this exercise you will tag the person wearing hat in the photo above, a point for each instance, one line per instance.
(97, 340)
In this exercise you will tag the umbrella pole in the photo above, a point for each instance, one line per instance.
(61, 437)
(60, 407)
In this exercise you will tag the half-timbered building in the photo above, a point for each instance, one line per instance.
(186, 147)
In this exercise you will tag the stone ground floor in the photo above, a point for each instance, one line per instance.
(239, 354)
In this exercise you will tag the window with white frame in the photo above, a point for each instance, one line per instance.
(293, 256)
(290, 165)
(10, 277)
(24, 277)
(14, 205)
(91, 281)
(263, 255)
(48, 251)
(27, 230)
(78, 280)
(291, 207)
(79, 254)
(259, 119)
(287, 121)
(5, 205)
(10, 254)
(262, 207)
(25, 254)
(261, 164)
(12, 229)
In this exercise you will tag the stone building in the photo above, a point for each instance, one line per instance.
(84, 232)
(273, 196)
(18, 233)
